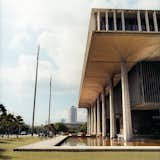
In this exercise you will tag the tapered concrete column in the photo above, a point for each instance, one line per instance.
(126, 108)
(92, 120)
(112, 111)
(95, 119)
(103, 114)
(115, 20)
(87, 121)
(155, 21)
(147, 21)
(98, 117)
(106, 15)
(139, 21)
(123, 20)
(98, 20)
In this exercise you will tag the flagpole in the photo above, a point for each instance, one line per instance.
(35, 91)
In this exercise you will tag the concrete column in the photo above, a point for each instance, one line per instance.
(87, 121)
(147, 21)
(107, 25)
(139, 21)
(95, 119)
(115, 20)
(112, 111)
(103, 114)
(123, 20)
(98, 20)
(155, 21)
(98, 117)
(126, 108)
(91, 120)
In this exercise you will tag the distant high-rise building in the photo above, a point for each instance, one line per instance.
(73, 114)
(63, 120)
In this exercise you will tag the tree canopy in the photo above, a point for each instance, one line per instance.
(60, 127)
(11, 124)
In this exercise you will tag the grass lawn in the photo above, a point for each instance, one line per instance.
(7, 153)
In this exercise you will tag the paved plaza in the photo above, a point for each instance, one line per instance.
(51, 145)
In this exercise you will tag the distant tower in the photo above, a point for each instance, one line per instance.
(63, 120)
(73, 115)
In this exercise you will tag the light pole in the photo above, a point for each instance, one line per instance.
(50, 92)
(35, 90)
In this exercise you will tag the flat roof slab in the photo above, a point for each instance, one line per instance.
(106, 51)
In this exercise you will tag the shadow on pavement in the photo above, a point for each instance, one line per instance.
(4, 157)
(5, 142)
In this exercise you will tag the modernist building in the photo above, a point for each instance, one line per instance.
(73, 114)
(120, 84)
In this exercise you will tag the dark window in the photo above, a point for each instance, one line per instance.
(102, 21)
(119, 21)
(158, 20)
(110, 21)
(151, 23)
(131, 22)
(143, 22)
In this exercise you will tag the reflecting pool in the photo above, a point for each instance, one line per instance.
(98, 141)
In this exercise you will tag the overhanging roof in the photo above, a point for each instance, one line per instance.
(106, 49)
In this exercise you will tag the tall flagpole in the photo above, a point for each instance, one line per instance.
(50, 92)
(35, 90)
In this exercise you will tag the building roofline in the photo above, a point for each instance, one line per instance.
(124, 9)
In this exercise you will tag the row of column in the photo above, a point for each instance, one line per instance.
(97, 111)
(123, 20)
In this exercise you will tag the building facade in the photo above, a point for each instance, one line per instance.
(73, 115)
(120, 84)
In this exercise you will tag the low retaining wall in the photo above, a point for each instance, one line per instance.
(90, 148)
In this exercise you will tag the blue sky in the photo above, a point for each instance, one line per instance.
(60, 27)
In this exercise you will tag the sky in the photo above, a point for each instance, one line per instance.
(60, 27)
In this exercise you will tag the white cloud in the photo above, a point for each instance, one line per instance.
(154, 4)
(60, 27)
(19, 40)
(48, 40)
(62, 114)
(67, 59)
(64, 30)
(18, 77)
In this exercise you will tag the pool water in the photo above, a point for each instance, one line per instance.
(98, 141)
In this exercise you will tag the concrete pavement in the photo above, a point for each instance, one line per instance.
(51, 145)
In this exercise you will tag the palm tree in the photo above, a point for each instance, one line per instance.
(9, 123)
(19, 122)
(3, 110)
(3, 114)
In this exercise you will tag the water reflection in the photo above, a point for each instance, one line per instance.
(99, 141)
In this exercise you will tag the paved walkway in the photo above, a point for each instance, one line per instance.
(43, 144)
(50, 145)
